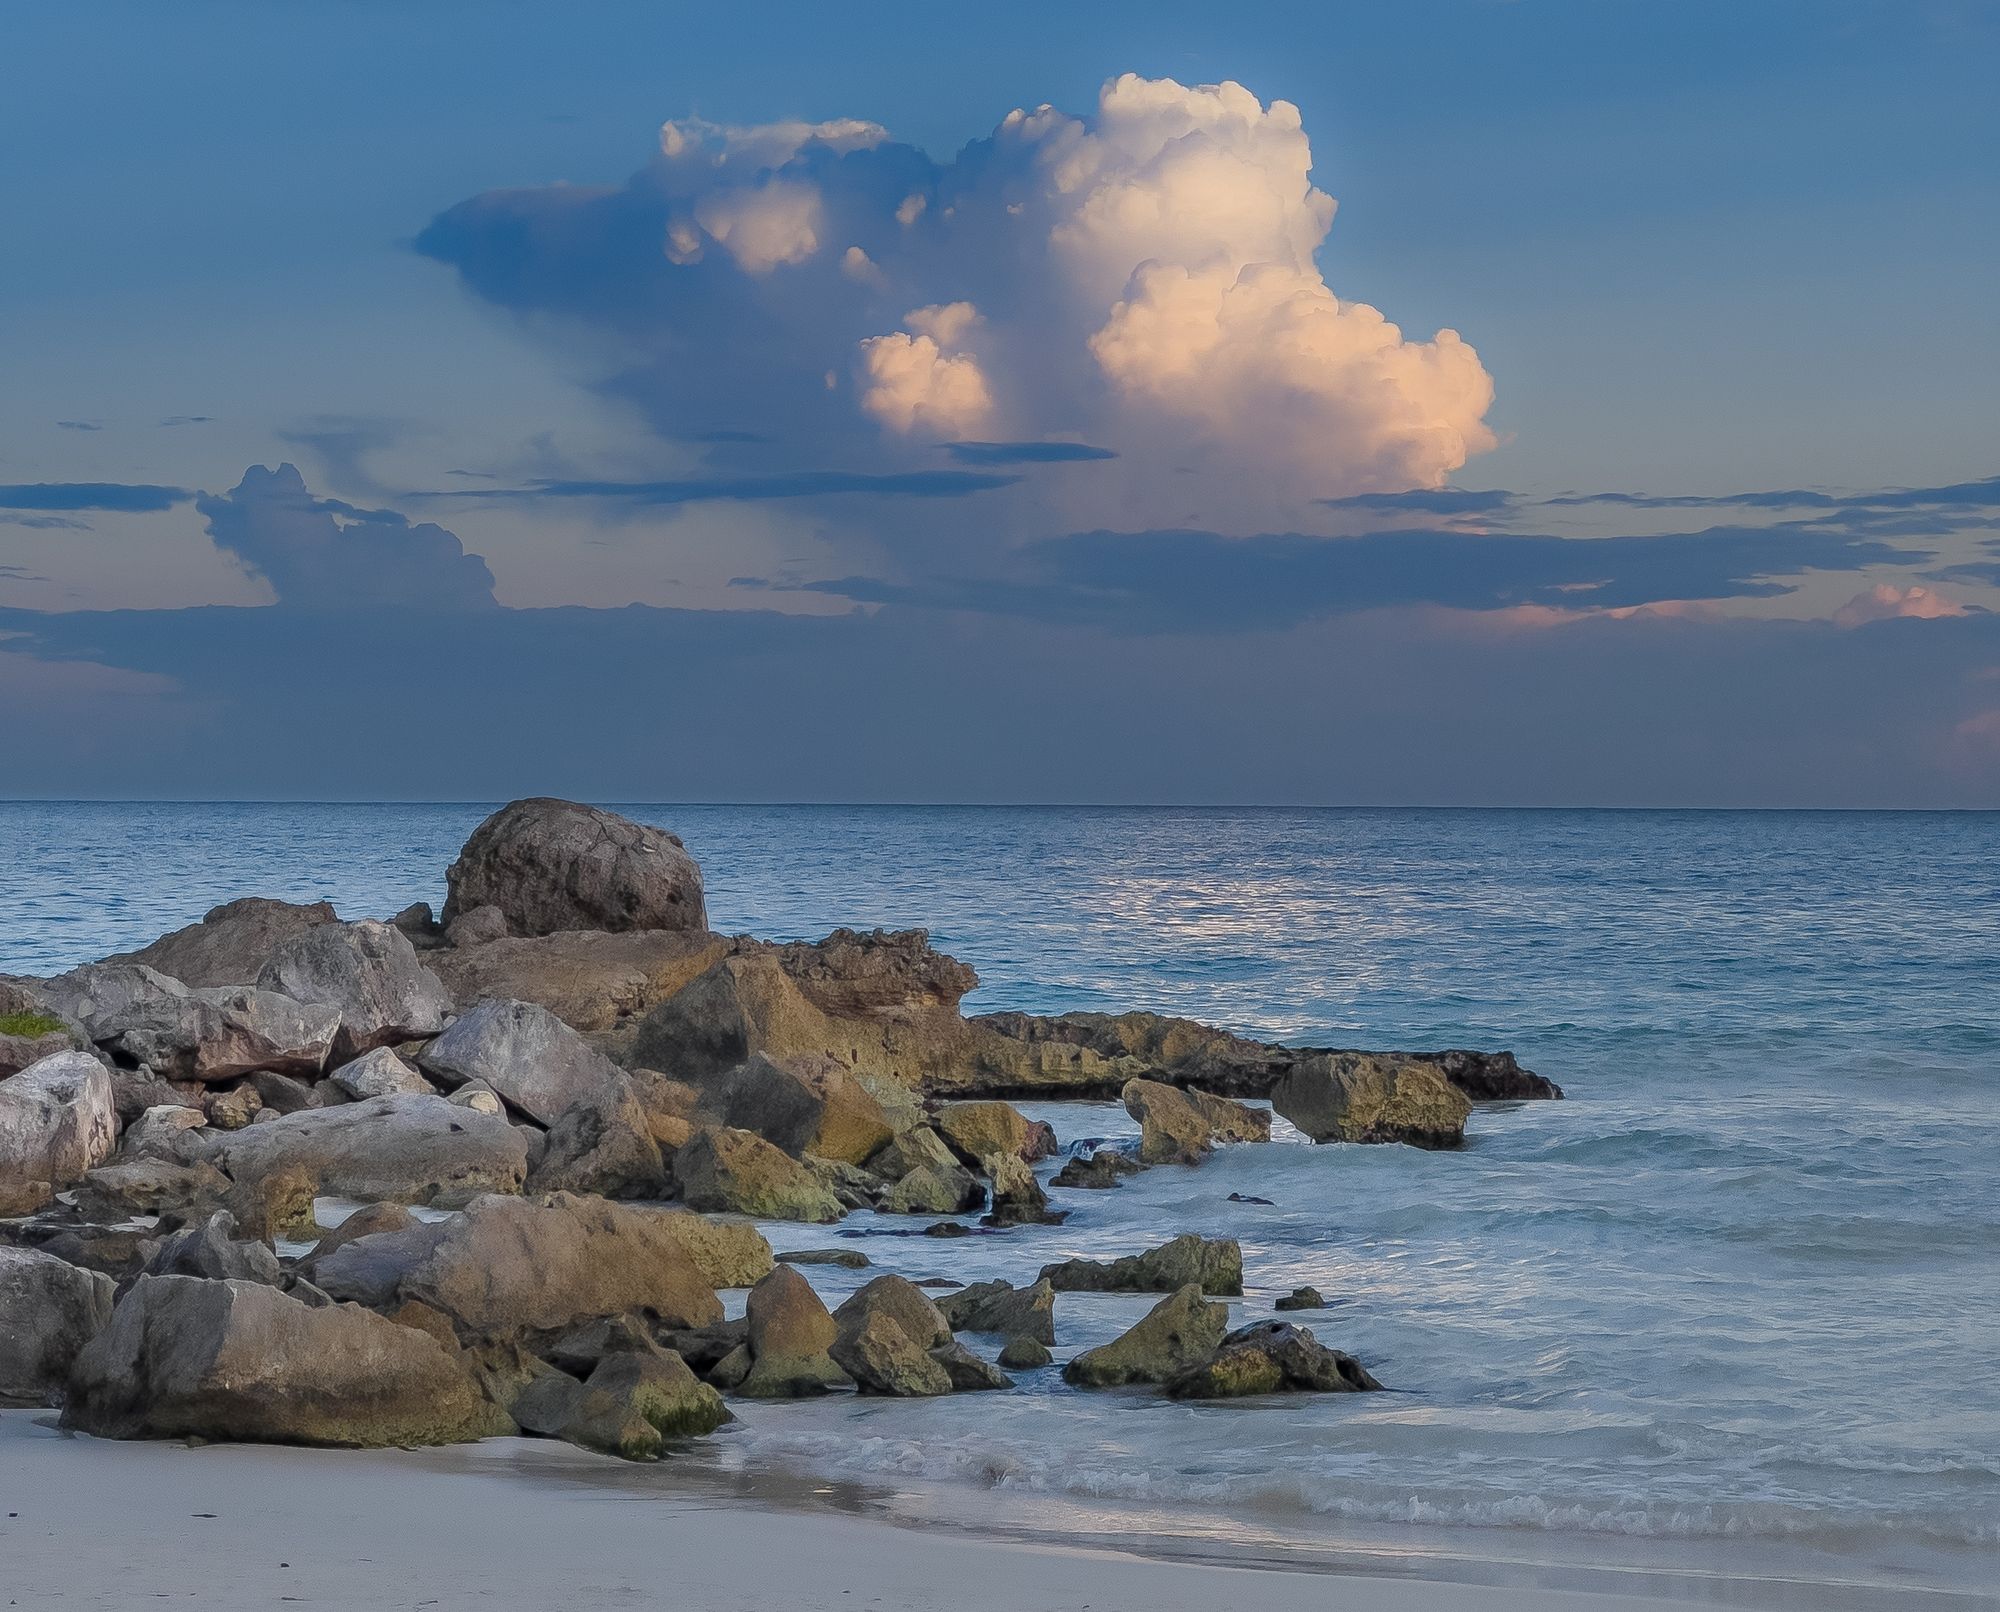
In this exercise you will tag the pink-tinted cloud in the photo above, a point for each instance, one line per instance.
(1885, 603)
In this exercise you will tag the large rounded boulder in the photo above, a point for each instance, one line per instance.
(553, 865)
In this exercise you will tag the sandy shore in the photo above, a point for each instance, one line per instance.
(535, 1526)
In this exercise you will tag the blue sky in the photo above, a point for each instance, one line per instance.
(426, 255)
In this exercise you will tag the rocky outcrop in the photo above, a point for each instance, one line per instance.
(1360, 1097)
(1178, 1332)
(510, 1266)
(803, 1105)
(1213, 1267)
(790, 1332)
(49, 1309)
(405, 1149)
(605, 1145)
(186, 1357)
(732, 1170)
(57, 1121)
(975, 1130)
(367, 973)
(141, 1017)
(550, 865)
(232, 943)
(1491, 1077)
(1270, 1357)
(1180, 1126)
(525, 1053)
(1003, 1310)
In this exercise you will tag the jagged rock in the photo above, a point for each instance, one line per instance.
(528, 1055)
(1105, 1168)
(602, 1144)
(213, 1251)
(405, 1149)
(728, 1253)
(935, 1190)
(239, 1360)
(966, 1372)
(115, 1192)
(852, 1185)
(512, 1265)
(1301, 1298)
(1180, 1127)
(790, 1333)
(733, 1170)
(119, 1252)
(1268, 1358)
(598, 984)
(276, 1204)
(133, 1091)
(368, 973)
(170, 1133)
(883, 1359)
(420, 924)
(1492, 1077)
(1214, 1267)
(1179, 1331)
(1358, 1097)
(554, 864)
(230, 1108)
(140, 1016)
(913, 1148)
(49, 1309)
(1024, 1354)
(639, 1397)
(1003, 1310)
(706, 1348)
(232, 942)
(803, 1105)
(904, 1303)
(477, 927)
(848, 1258)
(376, 1073)
(579, 1349)
(56, 1122)
(976, 1130)
(1018, 1198)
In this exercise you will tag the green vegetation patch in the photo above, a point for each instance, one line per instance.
(29, 1024)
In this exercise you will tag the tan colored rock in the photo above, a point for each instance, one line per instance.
(1270, 1357)
(603, 1145)
(731, 1170)
(1180, 1127)
(728, 1253)
(1360, 1097)
(1176, 1333)
(975, 1130)
(599, 984)
(790, 1334)
(1214, 1267)
(804, 1105)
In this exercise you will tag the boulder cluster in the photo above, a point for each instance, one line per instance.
(559, 1107)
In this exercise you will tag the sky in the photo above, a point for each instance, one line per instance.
(1476, 403)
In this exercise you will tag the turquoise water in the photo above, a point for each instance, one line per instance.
(1743, 1286)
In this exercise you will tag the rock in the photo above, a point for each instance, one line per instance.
(56, 1122)
(213, 1251)
(119, 1252)
(368, 973)
(638, 1398)
(935, 1190)
(420, 924)
(884, 1005)
(790, 1333)
(186, 1357)
(804, 1105)
(853, 1186)
(551, 865)
(114, 1192)
(600, 985)
(232, 943)
(480, 1098)
(21, 1198)
(1096, 1171)
(405, 1149)
(276, 1204)
(914, 1148)
(1179, 1127)
(1179, 1331)
(1301, 1298)
(1018, 1199)
(232, 1107)
(602, 1144)
(848, 1258)
(966, 1372)
(1268, 1358)
(1492, 1077)
(904, 1303)
(1024, 1354)
(169, 1133)
(528, 1055)
(882, 1359)
(578, 1350)
(507, 1266)
(1214, 1267)
(976, 1130)
(1003, 1310)
(377, 1073)
(49, 1309)
(948, 1228)
(733, 1170)
(30, 1029)
(705, 1348)
(477, 927)
(214, 1034)
(1358, 1097)
(133, 1091)
(283, 1094)
(364, 1222)
(1250, 1197)
(728, 1253)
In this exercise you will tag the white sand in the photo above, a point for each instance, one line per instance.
(514, 1524)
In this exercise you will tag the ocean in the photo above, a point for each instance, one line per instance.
(1738, 1296)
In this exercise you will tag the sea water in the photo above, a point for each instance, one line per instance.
(1743, 1285)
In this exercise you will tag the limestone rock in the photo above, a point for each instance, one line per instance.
(56, 1122)
(1268, 1358)
(966, 1372)
(602, 1144)
(914, 1148)
(935, 1190)
(1301, 1298)
(49, 1309)
(599, 984)
(976, 1130)
(1359, 1097)
(904, 1303)
(232, 942)
(1003, 1310)
(883, 1359)
(1213, 1267)
(727, 1169)
(477, 927)
(1178, 1332)
(638, 1398)
(1179, 1127)
(404, 1149)
(239, 1360)
(554, 864)
(377, 1073)
(366, 972)
(847, 1258)
(480, 1098)
(1018, 1198)
(525, 1053)
(790, 1333)
(231, 1108)
(803, 1105)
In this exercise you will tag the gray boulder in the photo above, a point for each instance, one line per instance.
(378, 1073)
(114, 1192)
(49, 1309)
(232, 943)
(1214, 1267)
(143, 1017)
(1003, 1310)
(604, 1145)
(171, 1133)
(57, 1121)
(214, 1251)
(968, 1373)
(551, 865)
(367, 973)
(404, 1149)
(1179, 1331)
(525, 1053)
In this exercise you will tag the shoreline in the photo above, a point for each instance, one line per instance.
(529, 1524)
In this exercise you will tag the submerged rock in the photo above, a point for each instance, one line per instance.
(1180, 1331)
(1359, 1097)
(933, 1189)
(1097, 1171)
(1301, 1298)
(1214, 1267)
(966, 1372)
(1024, 1354)
(1003, 1310)
(1268, 1358)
